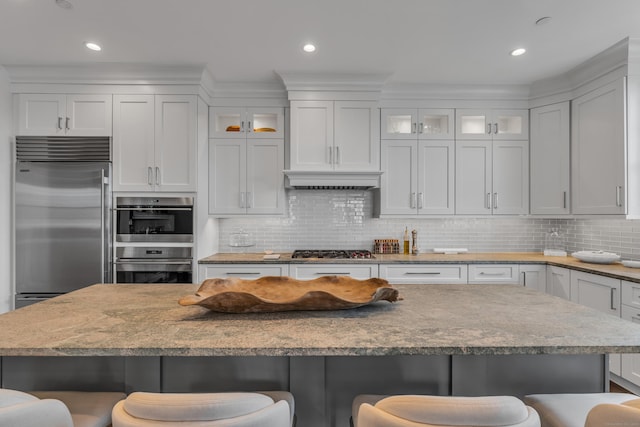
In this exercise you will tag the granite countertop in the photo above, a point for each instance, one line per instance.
(146, 320)
(615, 270)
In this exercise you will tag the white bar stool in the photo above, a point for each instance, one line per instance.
(87, 408)
(444, 411)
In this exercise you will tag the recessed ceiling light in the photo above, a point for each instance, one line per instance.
(518, 52)
(309, 48)
(65, 4)
(93, 46)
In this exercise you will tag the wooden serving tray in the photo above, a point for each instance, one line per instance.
(275, 293)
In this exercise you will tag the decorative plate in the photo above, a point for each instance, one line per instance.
(596, 257)
(273, 293)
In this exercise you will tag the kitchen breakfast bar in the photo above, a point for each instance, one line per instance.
(438, 339)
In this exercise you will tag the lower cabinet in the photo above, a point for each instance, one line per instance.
(631, 311)
(313, 271)
(494, 273)
(534, 276)
(559, 282)
(243, 271)
(424, 273)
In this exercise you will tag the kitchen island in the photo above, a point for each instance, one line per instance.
(439, 339)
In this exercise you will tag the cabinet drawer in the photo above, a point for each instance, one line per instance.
(244, 271)
(308, 272)
(426, 273)
(631, 294)
(494, 273)
(631, 314)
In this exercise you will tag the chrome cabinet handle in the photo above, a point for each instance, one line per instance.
(102, 228)
(495, 128)
(489, 201)
(564, 199)
(233, 273)
(613, 304)
(242, 200)
(337, 154)
(413, 127)
(420, 200)
(488, 128)
(248, 200)
(249, 126)
(495, 200)
(412, 200)
(242, 126)
(59, 123)
(484, 273)
(619, 196)
(157, 175)
(330, 155)
(524, 279)
(66, 123)
(149, 173)
(431, 273)
(421, 128)
(338, 273)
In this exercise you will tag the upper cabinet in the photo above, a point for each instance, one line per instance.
(64, 115)
(335, 135)
(490, 124)
(550, 161)
(154, 143)
(598, 151)
(417, 124)
(241, 122)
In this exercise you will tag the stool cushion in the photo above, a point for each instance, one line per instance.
(570, 409)
(456, 410)
(36, 413)
(88, 408)
(194, 406)
(13, 397)
(618, 414)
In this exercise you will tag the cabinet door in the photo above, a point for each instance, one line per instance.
(473, 124)
(473, 177)
(510, 124)
(510, 177)
(397, 123)
(631, 294)
(630, 363)
(265, 179)
(550, 161)
(534, 276)
(599, 292)
(311, 145)
(265, 123)
(435, 124)
(227, 122)
(175, 142)
(133, 143)
(597, 151)
(313, 271)
(89, 115)
(436, 177)
(559, 282)
(41, 114)
(398, 191)
(356, 136)
(227, 176)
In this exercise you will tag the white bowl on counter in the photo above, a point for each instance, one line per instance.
(596, 257)
(631, 263)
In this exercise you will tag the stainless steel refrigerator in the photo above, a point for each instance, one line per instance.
(62, 216)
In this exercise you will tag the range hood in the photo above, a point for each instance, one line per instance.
(332, 180)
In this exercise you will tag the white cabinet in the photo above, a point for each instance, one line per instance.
(418, 177)
(550, 161)
(601, 293)
(631, 312)
(245, 176)
(559, 282)
(492, 177)
(313, 271)
(598, 151)
(243, 271)
(246, 122)
(154, 143)
(533, 276)
(489, 124)
(335, 135)
(494, 273)
(64, 115)
(424, 273)
(424, 123)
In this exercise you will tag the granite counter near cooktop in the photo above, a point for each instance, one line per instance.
(146, 320)
(615, 270)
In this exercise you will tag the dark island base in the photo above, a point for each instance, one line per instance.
(323, 386)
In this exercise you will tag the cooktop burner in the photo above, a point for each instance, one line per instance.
(330, 253)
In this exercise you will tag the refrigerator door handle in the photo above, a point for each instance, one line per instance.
(102, 227)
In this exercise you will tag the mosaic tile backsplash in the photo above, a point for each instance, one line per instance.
(331, 219)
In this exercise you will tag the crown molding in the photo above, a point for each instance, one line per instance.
(328, 82)
(455, 92)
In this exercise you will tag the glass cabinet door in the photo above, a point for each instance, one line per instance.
(510, 124)
(265, 123)
(399, 123)
(227, 122)
(240, 122)
(435, 124)
(473, 124)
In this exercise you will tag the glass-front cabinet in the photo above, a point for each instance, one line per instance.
(241, 122)
(492, 124)
(417, 123)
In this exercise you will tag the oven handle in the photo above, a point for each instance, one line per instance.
(155, 261)
(154, 208)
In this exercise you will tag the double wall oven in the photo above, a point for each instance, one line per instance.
(154, 239)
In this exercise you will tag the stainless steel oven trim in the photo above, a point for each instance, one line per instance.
(169, 238)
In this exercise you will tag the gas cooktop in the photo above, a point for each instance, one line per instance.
(331, 253)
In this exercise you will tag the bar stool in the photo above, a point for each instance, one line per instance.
(25, 410)
(445, 411)
(622, 414)
(260, 409)
(571, 409)
(87, 408)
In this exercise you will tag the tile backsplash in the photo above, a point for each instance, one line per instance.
(331, 219)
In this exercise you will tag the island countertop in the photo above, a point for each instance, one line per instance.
(146, 320)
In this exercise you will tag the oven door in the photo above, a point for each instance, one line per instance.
(153, 271)
(155, 220)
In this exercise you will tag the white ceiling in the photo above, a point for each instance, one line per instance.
(416, 41)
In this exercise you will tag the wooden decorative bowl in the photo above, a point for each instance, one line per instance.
(274, 293)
